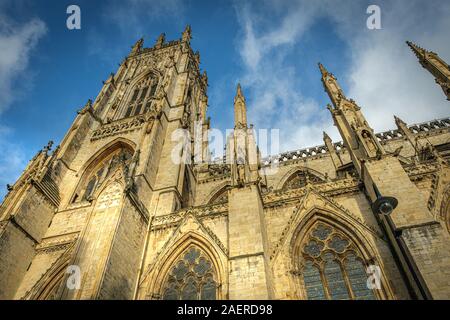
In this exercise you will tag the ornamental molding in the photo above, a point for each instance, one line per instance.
(333, 188)
(121, 126)
(56, 243)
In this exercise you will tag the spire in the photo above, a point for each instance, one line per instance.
(435, 65)
(240, 108)
(418, 51)
(331, 86)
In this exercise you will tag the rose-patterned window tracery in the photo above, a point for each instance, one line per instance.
(142, 97)
(333, 267)
(192, 277)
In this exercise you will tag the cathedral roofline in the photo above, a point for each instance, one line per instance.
(384, 136)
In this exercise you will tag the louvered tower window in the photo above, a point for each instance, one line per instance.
(142, 97)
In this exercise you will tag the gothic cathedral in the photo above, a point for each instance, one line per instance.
(108, 214)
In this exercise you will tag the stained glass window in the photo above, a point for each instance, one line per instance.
(314, 286)
(191, 278)
(357, 277)
(334, 268)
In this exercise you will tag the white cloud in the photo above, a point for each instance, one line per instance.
(270, 81)
(16, 44)
(385, 77)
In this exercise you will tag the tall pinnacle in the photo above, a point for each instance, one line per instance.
(240, 109)
(331, 86)
(435, 65)
(418, 51)
(323, 70)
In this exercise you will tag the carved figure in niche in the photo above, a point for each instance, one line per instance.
(241, 174)
(371, 146)
(185, 120)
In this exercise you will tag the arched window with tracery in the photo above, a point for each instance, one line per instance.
(142, 97)
(333, 267)
(192, 277)
(97, 171)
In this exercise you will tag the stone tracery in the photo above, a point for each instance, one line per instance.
(192, 277)
(333, 267)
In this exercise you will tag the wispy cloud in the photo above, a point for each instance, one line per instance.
(131, 16)
(271, 81)
(17, 42)
(384, 78)
(129, 20)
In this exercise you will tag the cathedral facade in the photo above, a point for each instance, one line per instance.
(108, 214)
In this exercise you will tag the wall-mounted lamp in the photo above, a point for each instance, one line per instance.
(383, 205)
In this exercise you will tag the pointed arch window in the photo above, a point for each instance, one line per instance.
(96, 173)
(142, 97)
(192, 277)
(333, 267)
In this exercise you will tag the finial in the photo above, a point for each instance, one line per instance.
(197, 56)
(326, 136)
(399, 121)
(161, 39)
(49, 145)
(86, 107)
(239, 93)
(323, 70)
(186, 36)
(418, 51)
(137, 46)
(205, 78)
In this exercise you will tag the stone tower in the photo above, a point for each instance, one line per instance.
(130, 205)
(111, 174)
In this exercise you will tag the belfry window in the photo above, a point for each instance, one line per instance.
(142, 97)
(192, 277)
(333, 268)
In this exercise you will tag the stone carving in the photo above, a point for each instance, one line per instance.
(118, 127)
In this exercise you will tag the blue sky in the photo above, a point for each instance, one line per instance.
(47, 72)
